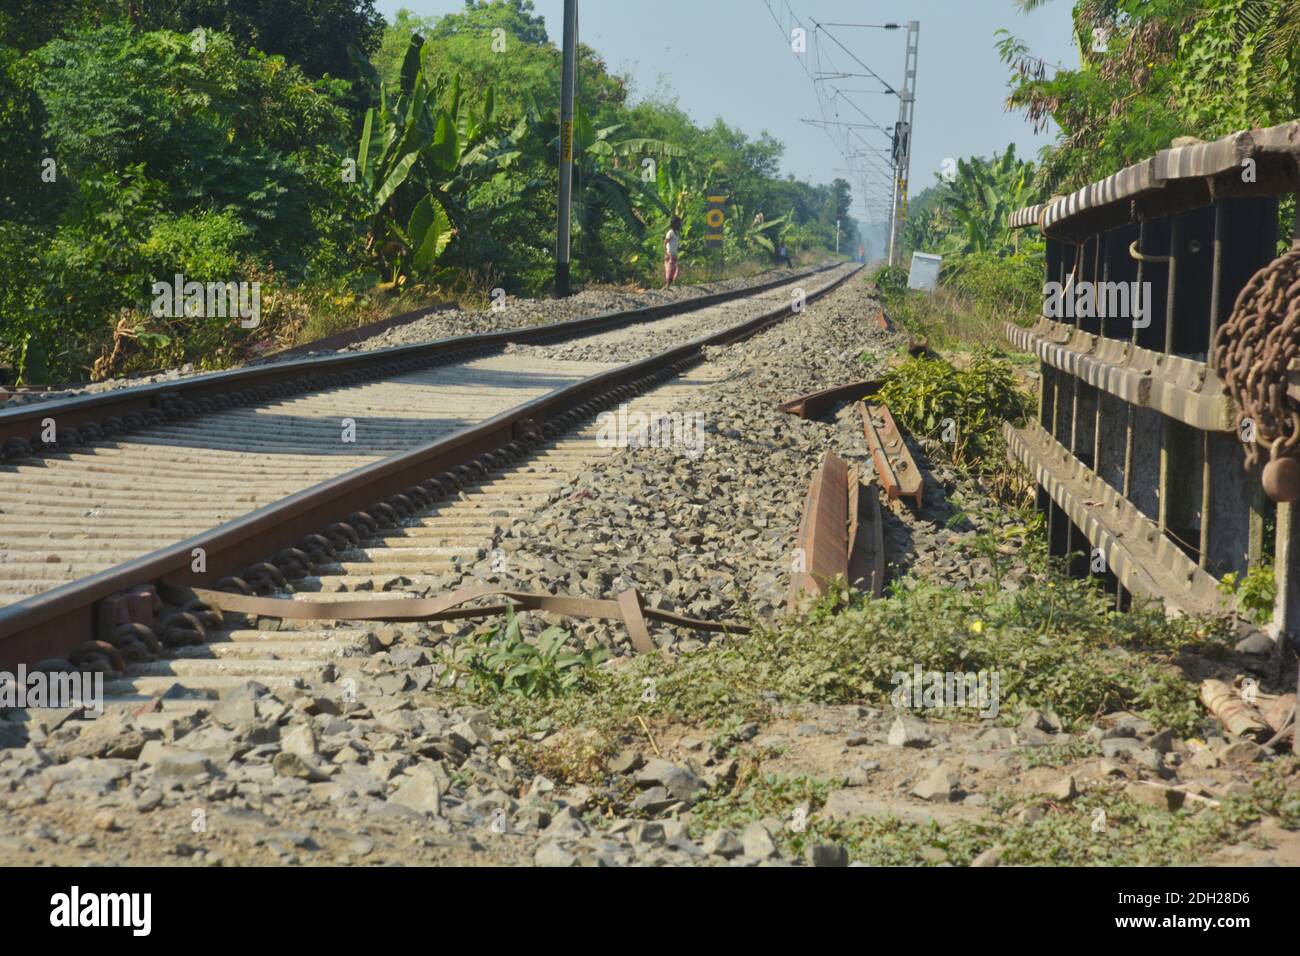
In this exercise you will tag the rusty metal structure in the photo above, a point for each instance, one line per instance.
(841, 537)
(1166, 435)
(897, 472)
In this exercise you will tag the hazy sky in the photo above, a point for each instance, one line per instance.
(732, 59)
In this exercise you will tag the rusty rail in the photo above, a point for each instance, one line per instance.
(895, 469)
(841, 537)
(817, 404)
(1139, 448)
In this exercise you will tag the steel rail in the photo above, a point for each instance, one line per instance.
(114, 410)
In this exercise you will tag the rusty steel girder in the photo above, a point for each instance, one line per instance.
(817, 404)
(895, 469)
(841, 536)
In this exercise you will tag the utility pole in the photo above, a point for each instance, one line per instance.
(568, 84)
(837, 237)
(903, 144)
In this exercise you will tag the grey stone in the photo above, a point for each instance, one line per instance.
(552, 854)
(299, 767)
(1241, 753)
(757, 842)
(1035, 719)
(1155, 795)
(681, 784)
(1063, 790)
(908, 731)
(1162, 742)
(654, 800)
(567, 824)
(723, 843)
(1118, 747)
(826, 854)
(184, 765)
(939, 786)
(299, 739)
(627, 761)
(419, 790)
(1258, 644)
(990, 857)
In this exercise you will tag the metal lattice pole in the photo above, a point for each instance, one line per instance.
(903, 144)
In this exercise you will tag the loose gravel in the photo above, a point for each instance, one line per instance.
(376, 768)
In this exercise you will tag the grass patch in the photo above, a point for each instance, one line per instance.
(977, 294)
(1100, 829)
(1054, 644)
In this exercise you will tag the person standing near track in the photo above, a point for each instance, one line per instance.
(783, 255)
(672, 244)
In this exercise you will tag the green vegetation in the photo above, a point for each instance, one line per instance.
(1255, 592)
(1056, 643)
(1064, 835)
(350, 167)
(1153, 70)
(964, 408)
(501, 661)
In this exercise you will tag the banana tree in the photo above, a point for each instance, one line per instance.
(419, 158)
(608, 181)
(979, 200)
(749, 229)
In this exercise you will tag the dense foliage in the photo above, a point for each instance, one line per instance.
(337, 161)
(1153, 70)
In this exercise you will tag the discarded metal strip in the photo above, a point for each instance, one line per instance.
(822, 548)
(816, 404)
(866, 539)
(884, 321)
(628, 608)
(895, 469)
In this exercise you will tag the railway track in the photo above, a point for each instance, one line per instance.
(193, 471)
(405, 561)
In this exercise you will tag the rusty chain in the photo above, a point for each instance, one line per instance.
(1251, 354)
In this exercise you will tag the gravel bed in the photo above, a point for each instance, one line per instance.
(517, 313)
(713, 536)
(378, 769)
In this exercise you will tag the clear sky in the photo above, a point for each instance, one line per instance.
(733, 59)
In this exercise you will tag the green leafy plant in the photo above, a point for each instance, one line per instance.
(891, 281)
(419, 157)
(502, 661)
(1256, 592)
(964, 407)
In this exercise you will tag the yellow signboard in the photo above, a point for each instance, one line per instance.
(714, 219)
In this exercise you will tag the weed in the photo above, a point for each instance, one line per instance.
(1255, 592)
(502, 661)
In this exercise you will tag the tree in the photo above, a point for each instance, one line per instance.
(419, 160)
